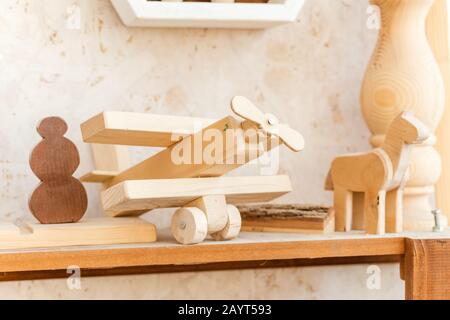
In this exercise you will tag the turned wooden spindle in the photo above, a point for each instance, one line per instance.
(403, 75)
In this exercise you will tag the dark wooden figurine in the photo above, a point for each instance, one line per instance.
(60, 198)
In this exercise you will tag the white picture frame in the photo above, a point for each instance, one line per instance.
(144, 13)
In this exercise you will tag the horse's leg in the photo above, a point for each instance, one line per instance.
(374, 212)
(358, 211)
(343, 208)
(394, 211)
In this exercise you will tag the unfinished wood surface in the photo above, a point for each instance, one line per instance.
(189, 225)
(403, 75)
(140, 129)
(438, 37)
(267, 123)
(248, 247)
(109, 161)
(426, 269)
(173, 163)
(380, 174)
(60, 198)
(232, 227)
(215, 209)
(287, 218)
(101, 231)
(129, 196)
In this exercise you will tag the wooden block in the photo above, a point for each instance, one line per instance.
(287, 218)
(130, 196)
(163, 166)
(139, 129)
(109, 161)
(101, 231)
(60, 198)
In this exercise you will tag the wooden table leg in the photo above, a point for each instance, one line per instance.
(426, 269)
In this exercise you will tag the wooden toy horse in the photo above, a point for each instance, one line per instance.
(380, 174)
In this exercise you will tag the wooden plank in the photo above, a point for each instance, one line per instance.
(218, 266)
(109, 161)
(438, 37)
(426, 269)
(163, 165)
(139, 129)
(130, 196)
(287, 218)
(99, 176)
(101, 231)
(169, 254)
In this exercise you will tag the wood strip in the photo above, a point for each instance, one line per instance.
(426, 269)
(235, 265)
(140, 129)
(133, 196)
(163, 165)
(438, 37)
(89, 232)
(199, 254)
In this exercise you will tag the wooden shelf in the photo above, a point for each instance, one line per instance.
(143, 13)
(250, 250)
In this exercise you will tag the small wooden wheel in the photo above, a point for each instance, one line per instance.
(189, 225)
(233, 226)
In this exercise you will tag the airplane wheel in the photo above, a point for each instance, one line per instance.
(233, 226)
(189, 225)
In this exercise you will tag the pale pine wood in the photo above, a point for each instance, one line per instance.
(109, 161)
(140, 129)
(438, 37)
(232, 227)
(403, 75)
(378, 174)
(189, 225)
(215, 209)
(129, 196)
(89, 232)
(162, 166)
(267, 123)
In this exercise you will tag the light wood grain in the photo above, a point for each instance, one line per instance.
(101, 231)
(109, 161)
(380, 174)
(129, 196)
(163, 166)
(140, 129)
(403, 75)
(438, 37)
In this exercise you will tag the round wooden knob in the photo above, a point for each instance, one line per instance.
(189, 225)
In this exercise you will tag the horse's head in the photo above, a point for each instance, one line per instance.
(411, 129)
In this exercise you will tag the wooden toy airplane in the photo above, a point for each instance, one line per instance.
(195, 185)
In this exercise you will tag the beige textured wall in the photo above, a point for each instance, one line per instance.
(308, 73)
